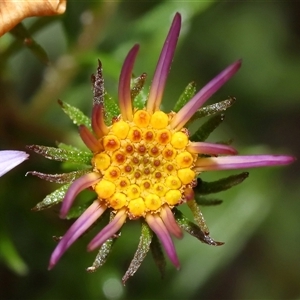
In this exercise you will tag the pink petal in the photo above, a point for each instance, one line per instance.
(98, 125)
(10, 159)
(92, 213)
(163, 66)
(124, 84)
(241, 162)
(90, 141)
(210, 148)
(108, 231)
(204, 94)
(170, 222)
(157, 225)
(76, 187)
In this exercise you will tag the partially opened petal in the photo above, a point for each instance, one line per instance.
(92, 213)
(241, 162)
(157, 225)
(124, 84)
(181, 118)
(108, 231)
(76, 187)
(163, 66)
(170, 222)
(210, 148)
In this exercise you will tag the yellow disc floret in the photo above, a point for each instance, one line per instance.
(144, 164)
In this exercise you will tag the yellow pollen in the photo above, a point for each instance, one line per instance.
(186, 175)
(159, 189)
(179, 140)
(141, 118)
(184, 159)
(111, 143)
(137, 208)
(120, 129)
(173, 197)
(173, 182)
(143, 165)
(117, 201)
(112, 173)
(135, 134)
(105, 189)
(159, 120)
(101, 161)
(133, 191)
(153, 202)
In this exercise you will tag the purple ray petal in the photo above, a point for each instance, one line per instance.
(157, 225)
(170, 222)
(91, 214)
(163, 66)
(210, 148)
(204, 94)
(241, 162)
(109, 230)
(98, 125)
(90, 141)
(10, 159)
(76, 187)
(124, 84)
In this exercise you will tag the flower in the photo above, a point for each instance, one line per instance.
(144, 163)
(10, 159)
(12, 13)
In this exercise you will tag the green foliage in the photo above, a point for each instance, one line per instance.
(185, 97)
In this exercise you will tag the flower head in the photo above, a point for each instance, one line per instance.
(10, 159)
(144, 162)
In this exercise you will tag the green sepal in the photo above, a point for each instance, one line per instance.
(54, 198)
(141, 252)
(102, 255)
(193, 229)
(213, 109)
(207, 128)
(158, 255)
(75, 114)
(23, 36)
(111, 109)
(198, 216)
(205, 188)
(77, 210)
(185, 97)
(60, 178)
(138, 96)
(207, 202)
(75, 155)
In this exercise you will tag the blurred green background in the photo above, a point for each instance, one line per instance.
(259, 219)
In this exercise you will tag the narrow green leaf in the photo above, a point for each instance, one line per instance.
(158, 255)
(141, 252)
(205, 188)
(98, 85)
(21, 33)
(186, 96)
(77, 210)
(193, 229)
(111, 109)
(213, 109)
(75, 114)
(198, 216)
(60, 178)
(102, 255)
(75, 156)
(54, 198)
(207, 128)
(207, 202)
(138, 95)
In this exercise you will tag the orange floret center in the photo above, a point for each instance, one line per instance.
(144, 165)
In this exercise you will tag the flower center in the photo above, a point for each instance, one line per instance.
(144, 165)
